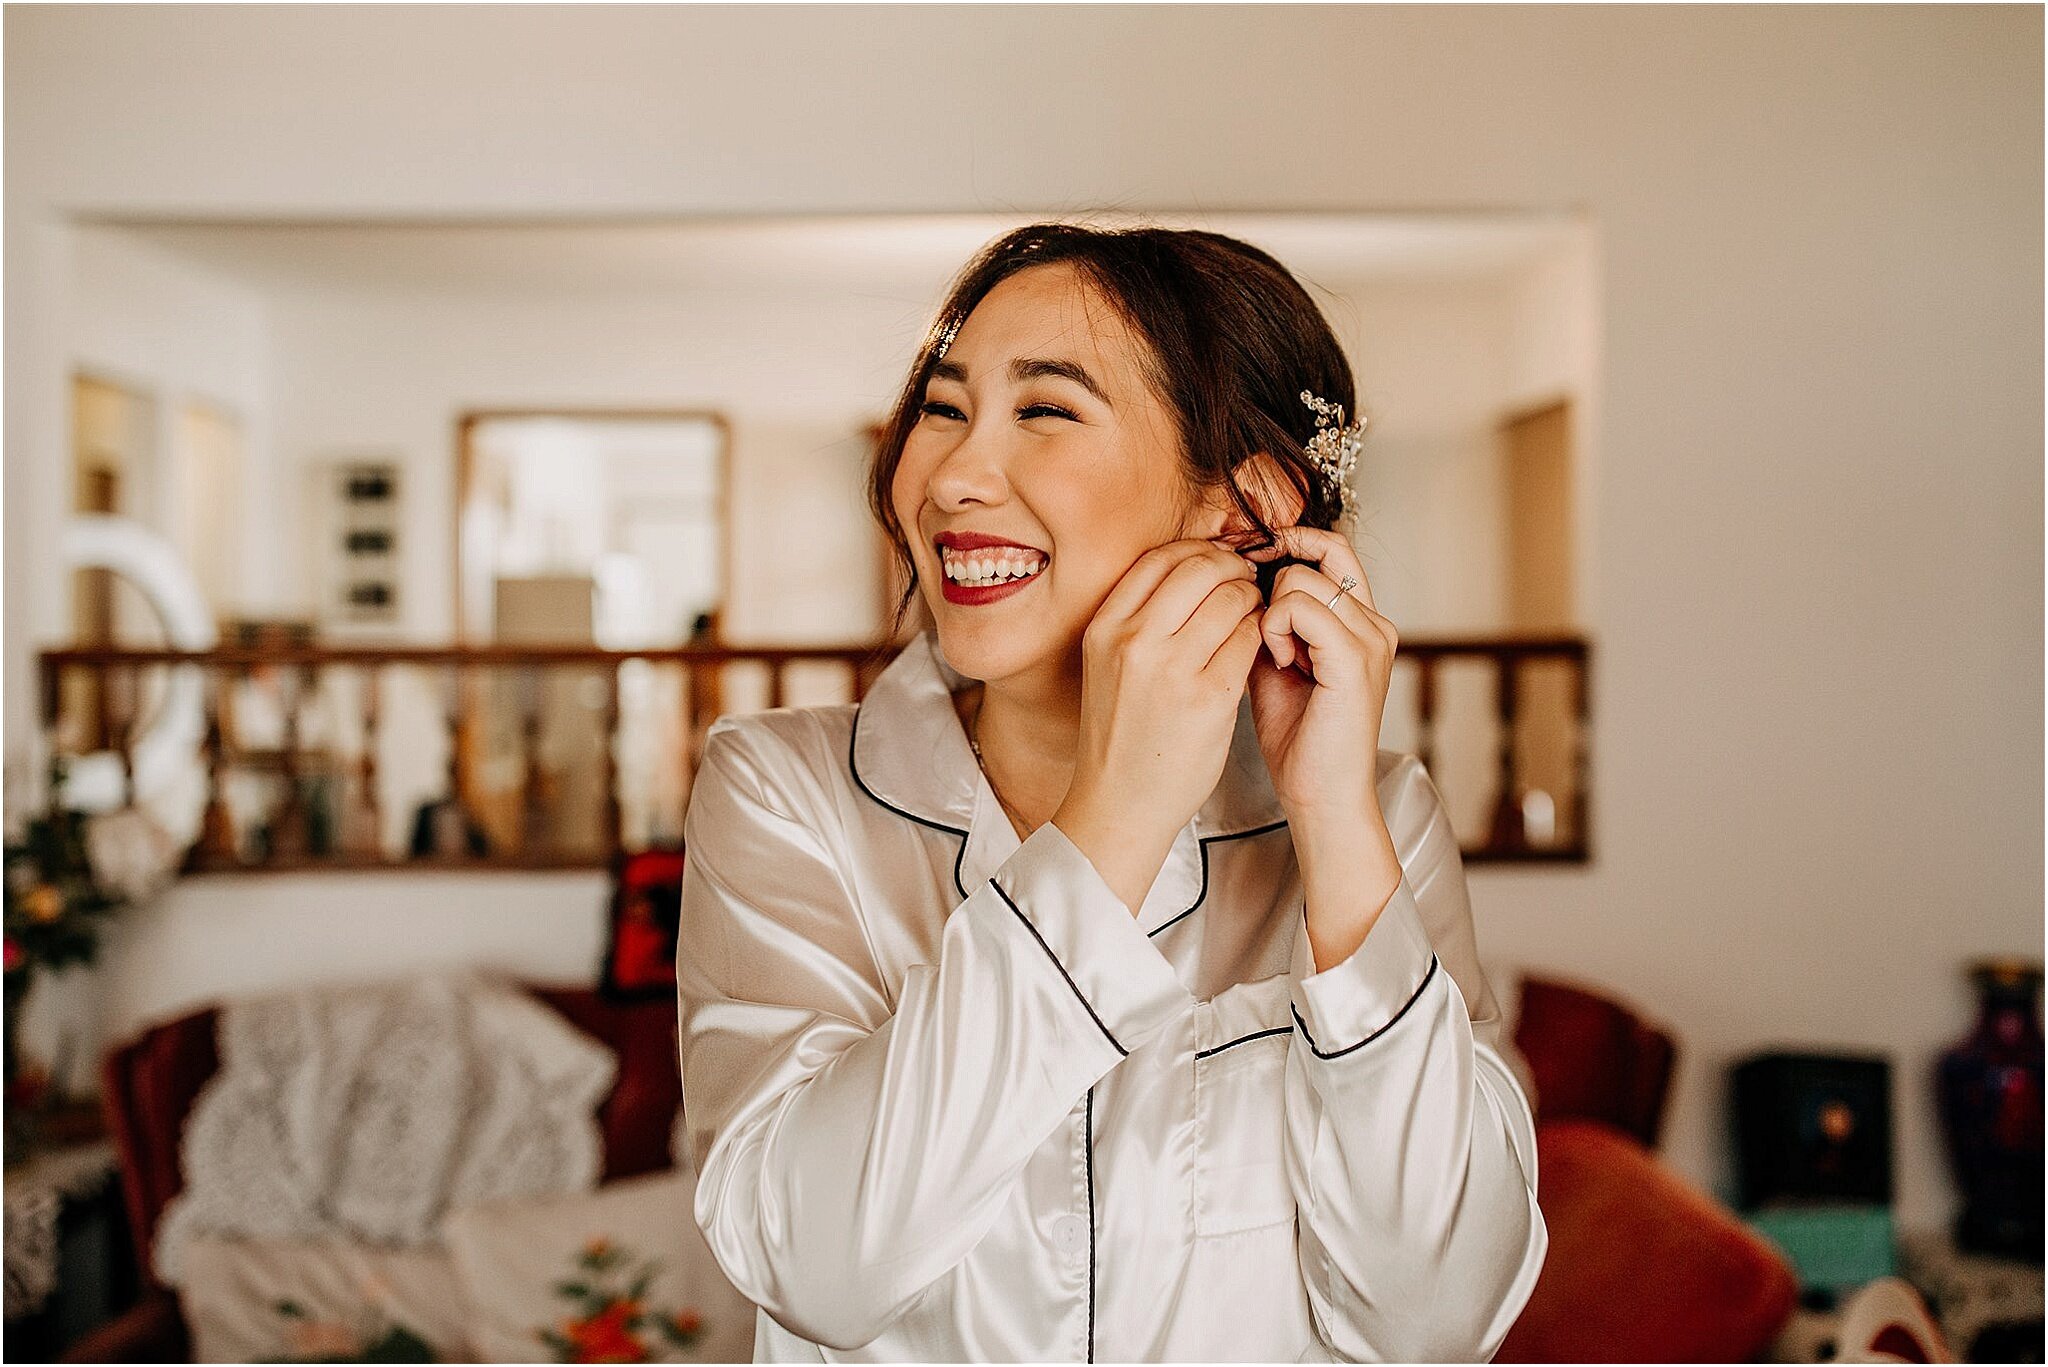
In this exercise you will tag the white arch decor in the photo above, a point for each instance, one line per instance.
(170, 772)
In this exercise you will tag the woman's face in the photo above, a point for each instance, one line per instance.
(1038, 428)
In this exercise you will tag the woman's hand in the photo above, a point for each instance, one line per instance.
(1317, 700)
(1319, 709)
(1165, 662)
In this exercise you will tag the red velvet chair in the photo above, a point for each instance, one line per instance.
(150, 1083)
(1643, 1267)
(1594, 1059)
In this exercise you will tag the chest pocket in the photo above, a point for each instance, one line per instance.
(1242, 1038)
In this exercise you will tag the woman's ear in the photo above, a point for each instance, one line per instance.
(1266, 488)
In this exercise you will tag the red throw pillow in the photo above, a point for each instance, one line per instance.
(647, 896)
(1642, 1267)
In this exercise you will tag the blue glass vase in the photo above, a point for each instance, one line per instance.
(1990, 1084)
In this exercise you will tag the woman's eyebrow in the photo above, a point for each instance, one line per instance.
(1036, 368)
(1031, 368)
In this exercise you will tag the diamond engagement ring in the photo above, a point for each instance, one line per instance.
(1342, 589)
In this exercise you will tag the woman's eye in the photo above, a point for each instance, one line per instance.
(934, 408)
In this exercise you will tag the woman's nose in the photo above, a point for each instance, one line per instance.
(971, 471)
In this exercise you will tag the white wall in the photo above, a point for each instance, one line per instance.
(393, 373)
(154, 322)
(1818, 507)
(224, 935)
(1555, 351)
(175, 333)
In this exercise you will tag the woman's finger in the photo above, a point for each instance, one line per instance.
(1232, 601)
(1351, 609)
(1328, 551)
(1194, 579)
(1135, 589)
(1337, 655)
(1334, 644)
(1319, 585)
(1293, 579)
(1306, 579)
(1233, 659)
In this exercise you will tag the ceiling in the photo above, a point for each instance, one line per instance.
(915, 253)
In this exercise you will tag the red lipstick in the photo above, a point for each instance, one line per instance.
(966, 596)
(977, 541)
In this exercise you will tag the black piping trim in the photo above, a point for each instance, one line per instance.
(1205, 842)
(1339, 1053)
(1060, 966)
(959, 864)
(960, 859)
(1088, 1150)
(853, 739)
(1256, 1034)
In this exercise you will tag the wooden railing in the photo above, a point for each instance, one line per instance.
(1513, 664)
(512, 757)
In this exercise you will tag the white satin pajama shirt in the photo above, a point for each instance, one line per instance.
(949, 1100)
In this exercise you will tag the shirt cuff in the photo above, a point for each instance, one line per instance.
(1116, 970)
(1349, 1003)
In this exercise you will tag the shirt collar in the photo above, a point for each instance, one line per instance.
(910, 753)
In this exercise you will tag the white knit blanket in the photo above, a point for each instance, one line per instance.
(367, 1112)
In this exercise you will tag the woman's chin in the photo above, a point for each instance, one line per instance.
(972, 657)
(986, 655)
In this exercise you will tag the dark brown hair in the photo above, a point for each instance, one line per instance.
(1234, 340)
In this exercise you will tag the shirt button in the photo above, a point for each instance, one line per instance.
(1070, 1234)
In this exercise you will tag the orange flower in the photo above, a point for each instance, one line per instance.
(607, 1335)
(43, 903)
(597, 1247)
(689, 1322)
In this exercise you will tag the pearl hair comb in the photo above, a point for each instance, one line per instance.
(1334, 448)
(942, 335)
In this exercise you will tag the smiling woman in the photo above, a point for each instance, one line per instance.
(1096, 985)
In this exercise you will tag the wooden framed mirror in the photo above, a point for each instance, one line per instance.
(607, 527)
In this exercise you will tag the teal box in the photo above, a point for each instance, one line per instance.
(1832, 1247)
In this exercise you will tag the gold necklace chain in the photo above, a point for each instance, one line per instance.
(974, 742)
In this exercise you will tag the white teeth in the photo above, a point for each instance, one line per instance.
(996, 568)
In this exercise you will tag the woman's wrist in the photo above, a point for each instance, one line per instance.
(1122, 849)
(1350, 870)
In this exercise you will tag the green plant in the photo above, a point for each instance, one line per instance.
(55, 906)
(314, 1340)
